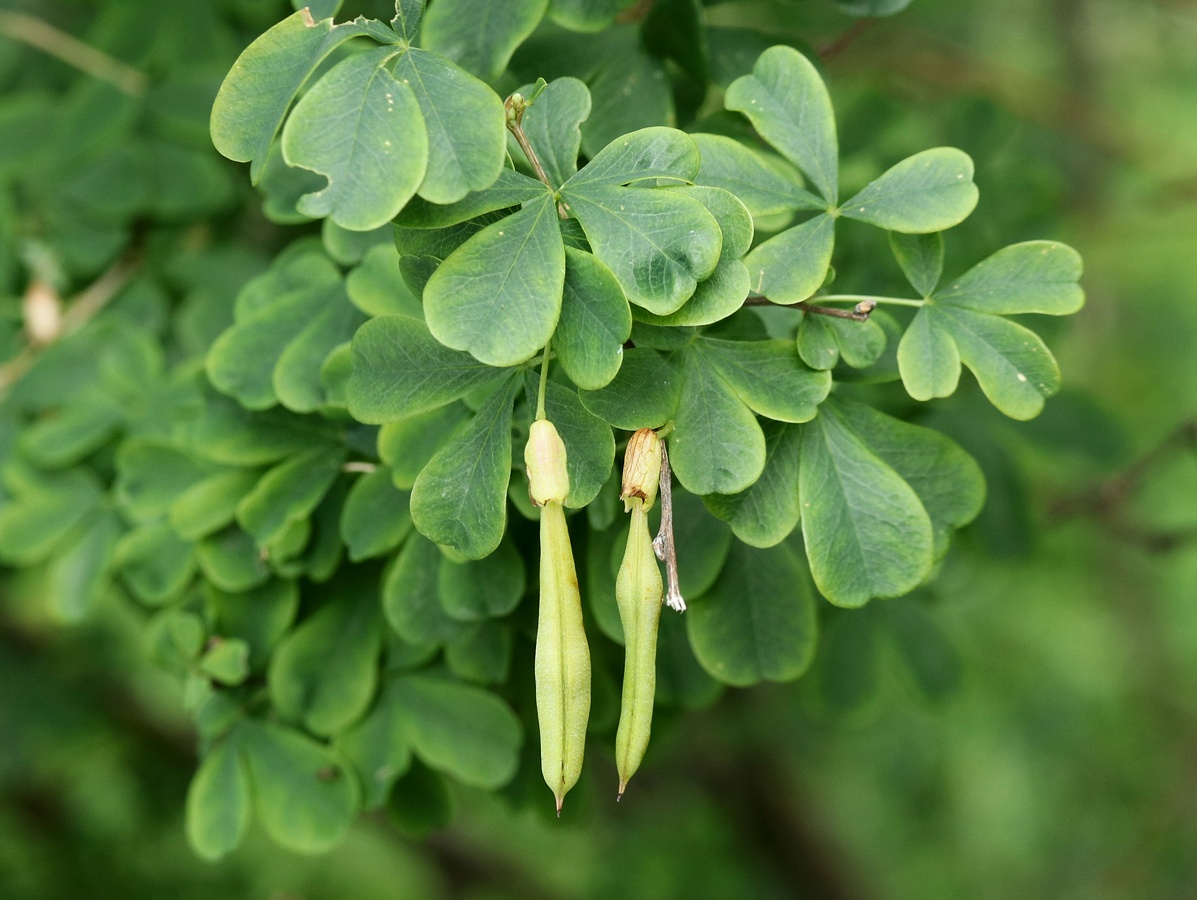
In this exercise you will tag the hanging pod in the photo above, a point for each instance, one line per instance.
(562, 654)
(640, 592)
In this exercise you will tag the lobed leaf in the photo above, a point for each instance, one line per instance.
(930, 191)
(363, 130)
(787, 102)
(498, 296)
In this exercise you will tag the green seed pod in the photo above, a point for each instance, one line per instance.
(640, 592)
(562, 655)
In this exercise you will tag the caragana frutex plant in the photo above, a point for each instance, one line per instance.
(329, 494)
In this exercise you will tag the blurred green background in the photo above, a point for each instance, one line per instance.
(1050, 751)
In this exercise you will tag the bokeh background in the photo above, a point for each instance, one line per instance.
(1046, 747)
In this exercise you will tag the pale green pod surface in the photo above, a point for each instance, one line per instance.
(639, 592)
(562, 658)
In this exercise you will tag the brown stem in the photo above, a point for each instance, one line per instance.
(45, 37)
(837, 45)
(859, 313)
(663, 544)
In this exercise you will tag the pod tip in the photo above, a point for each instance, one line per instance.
(622, 786)
(560, 800)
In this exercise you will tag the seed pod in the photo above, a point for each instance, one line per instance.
(562, 660)
(639, 592)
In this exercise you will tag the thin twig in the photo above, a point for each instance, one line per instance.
(85, 306)
(364, 467)
(101, 291)
(515, 105)
(860, 313)
(663, 544)
(838, 45)
(72, 51)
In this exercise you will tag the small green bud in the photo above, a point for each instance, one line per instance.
(544, 457)
(641, 469)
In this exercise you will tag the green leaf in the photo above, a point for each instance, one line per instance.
(735, 221)
(297, 376)
(927, 357)
(232, 561)
(408, 16)
(78, 574)
(921, 258)
(769, 377)
(254, 97)
(658, 243)
(376, 286)
(757, 623)
(1015, 369)
(553, 126)
(244, 359)
(930, 191)
(211, 504)
(407, 445)
(375, 518)
(586, 15)
(947, 480)
(823, 340)
(498, 296)
(791, 266)
(702, 544)
(867, 534)
(655, 152)
(459, 499)
(767, 512)
(259, 617)
(304, 794)
(466, 126)
(644, 393)
(411, 596)
(218, 801)
(74, 433)
(34, 525)
(767, 185)
(1032, 277)
(483, 655)
(152, 474)
(626, 71)
(464, 731)
(323, 673)
(479, 35)
(400, 369)
(226, 432)
(289, 492)
(595, 321)
(487, 588)
(717, 446)
(512, 189)
(787, 102)
(226, 661)
(589, 444)
(362, 129)
(713, 300)
(377, 748)
(155, 562)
